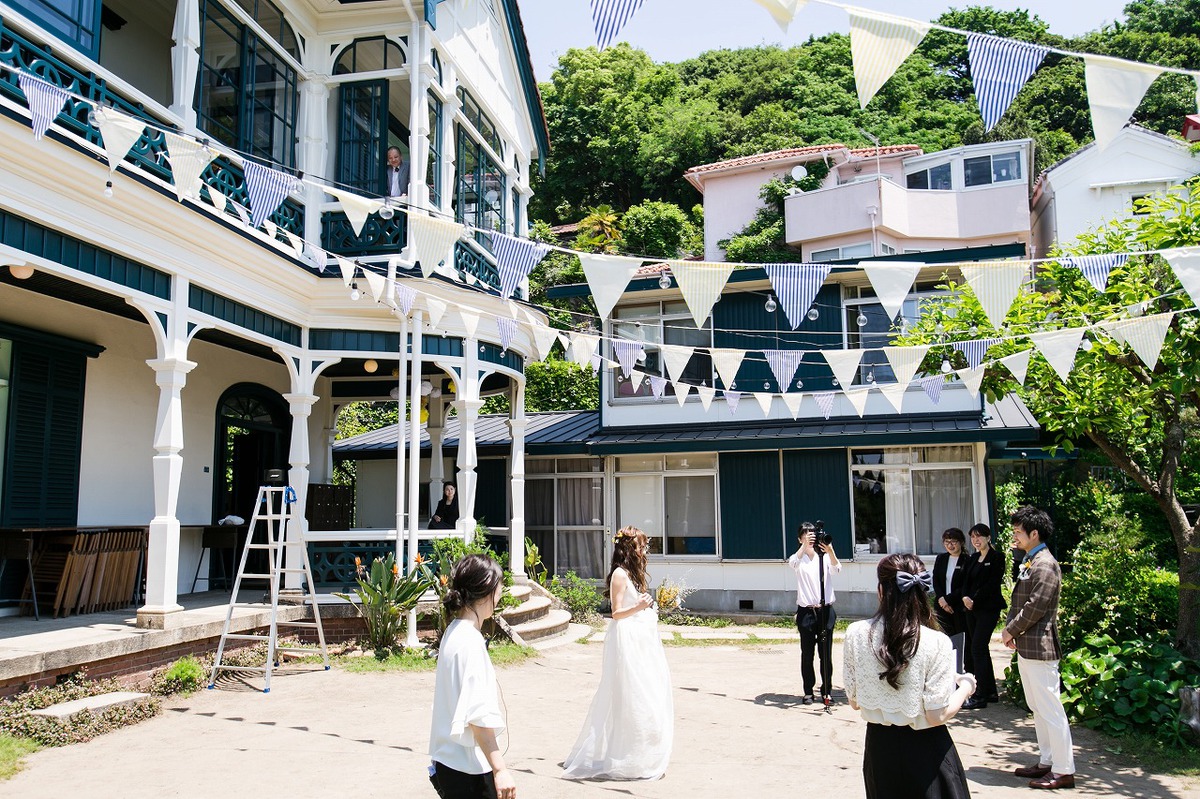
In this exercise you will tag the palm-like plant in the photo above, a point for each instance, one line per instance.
(385, 598)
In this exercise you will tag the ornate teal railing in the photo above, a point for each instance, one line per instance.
(332, 562)
(379, 236)
(469, 260)
(149, 154)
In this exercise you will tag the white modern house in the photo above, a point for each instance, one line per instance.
(158, 354)
(1093, 186)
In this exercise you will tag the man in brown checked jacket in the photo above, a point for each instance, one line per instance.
(1032, 630)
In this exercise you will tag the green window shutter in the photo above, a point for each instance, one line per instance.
(816, 485)
(41, 479)
(751, 518)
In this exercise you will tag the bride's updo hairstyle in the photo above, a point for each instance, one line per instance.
(472, 578)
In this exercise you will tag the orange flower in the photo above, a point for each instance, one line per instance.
(358, 561)
(420, 559)
(395, 569)
(445, 580)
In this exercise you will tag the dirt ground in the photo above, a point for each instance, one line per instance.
(740, 731)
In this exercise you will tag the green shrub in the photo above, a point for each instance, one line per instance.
(16, 719)
(1126, 687)
(450, 550)
(183, 676)
(580, 596)
(385, 598)
(1116, 588)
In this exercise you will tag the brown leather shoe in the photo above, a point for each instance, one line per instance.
(1051, 783)
(1032, 771)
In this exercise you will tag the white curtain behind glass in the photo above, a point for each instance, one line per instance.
(943, 499)
(580, 504)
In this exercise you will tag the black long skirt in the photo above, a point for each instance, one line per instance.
(903, 763)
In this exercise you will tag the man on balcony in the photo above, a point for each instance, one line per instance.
(396, 173)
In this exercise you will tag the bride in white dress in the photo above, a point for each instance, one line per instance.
(630, 726)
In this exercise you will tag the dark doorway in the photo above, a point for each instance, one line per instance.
(253, 435)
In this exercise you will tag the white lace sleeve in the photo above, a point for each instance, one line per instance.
(852, 642)
(939, 674)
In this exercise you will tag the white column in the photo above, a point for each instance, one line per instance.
(516, 525)
(437, 460)
(185, 62)
(450, 108)
(162, 556)
(299, 458)
(414, 463)
(313, 155)
(401, 384)
(418, 117)
(468, 459)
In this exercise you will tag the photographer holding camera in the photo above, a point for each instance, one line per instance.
(814, 564)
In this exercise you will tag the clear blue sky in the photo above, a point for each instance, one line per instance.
(672, 30)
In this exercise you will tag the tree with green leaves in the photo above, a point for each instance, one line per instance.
(1144, 420)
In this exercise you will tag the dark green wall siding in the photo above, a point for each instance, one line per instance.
(491, 492)
(354, 340)
(244, 316)
(816, 485)
(751, 519)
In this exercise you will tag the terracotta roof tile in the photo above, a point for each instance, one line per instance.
(764, 158)
(888, 149)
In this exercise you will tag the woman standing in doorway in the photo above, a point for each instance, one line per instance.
(630, 726)
(466, 760)
(983, 603)
(899, 674)
(445, 515)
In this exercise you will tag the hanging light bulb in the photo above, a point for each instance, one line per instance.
(939, 328)
(813, 313)
(973, 330)
(771, 305)
(871, 376)
(426, 388)
(386, 211)
(355, 294)
(394, 393)
(945, 365)
(799, 384)
(1086, 345)
(92, 119)
(370, 366)
(664, 281)
(766, 385)
(861, 321)
(435, 392)
(108, 192)
(836, 382)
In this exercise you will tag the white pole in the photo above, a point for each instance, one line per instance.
(414, 463)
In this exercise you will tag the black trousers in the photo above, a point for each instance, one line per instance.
(808, 626)
(980, 626)
(452, 784)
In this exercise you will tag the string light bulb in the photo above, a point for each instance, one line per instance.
(799, 384)
(355, 294)
(861, 321)
(386, 211)
(1086, 345)
(108, 190)
(813, 313)
(771, 305)
(766, 385)
(945, 365)
(973, 330)
(871, 376)
(370, 366)
(664, 281)
(93, 119)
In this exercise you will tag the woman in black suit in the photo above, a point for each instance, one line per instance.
(948, 570)
(445, 515)
(983, 602)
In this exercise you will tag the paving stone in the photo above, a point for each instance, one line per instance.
(97, 704)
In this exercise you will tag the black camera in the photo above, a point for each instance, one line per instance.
(819, 533)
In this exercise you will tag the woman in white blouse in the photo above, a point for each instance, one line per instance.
(900, 675)
(466, 760)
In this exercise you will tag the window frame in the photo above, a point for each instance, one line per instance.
(659, 322)
(663, 473)
(59, 24)
(991, 172)
(854, 299)
(554, 477)
(820, 256)
(928, 173)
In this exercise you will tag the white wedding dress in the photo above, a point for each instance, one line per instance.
(630, 726)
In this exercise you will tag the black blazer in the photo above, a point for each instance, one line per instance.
(983, 580)
(953, 591)
(448, 515)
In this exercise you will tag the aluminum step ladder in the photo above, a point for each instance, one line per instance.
(276, 509)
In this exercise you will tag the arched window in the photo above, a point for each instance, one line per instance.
(270, 18)
(369, 55)
(253, 430)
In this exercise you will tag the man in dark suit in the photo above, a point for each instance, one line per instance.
(1032, 630)
(396, 173)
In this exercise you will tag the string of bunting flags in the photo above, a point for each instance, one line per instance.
(880, 43)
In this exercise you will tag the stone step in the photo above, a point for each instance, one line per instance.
(554, 622)
(96, 704)
(520, 592)
(532, 608)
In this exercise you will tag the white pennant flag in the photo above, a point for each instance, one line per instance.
(792, 400)
(892, 282)
(1017, 364)
(764, 398)
(543, 340)
(347, 268)
(188, 158)
(45, 101)
(1114, 89)
(432, 240)
(1144, 335)
(844, 364)
(405, 296)
(356, 207)
(376, 282)
(676, 360)
(701, 283)
(894, 394)
(607, 277)
(996, 285)
(583, 347)
(120, 132)
(436, 309)
(858, 398)
(972, 379)
(1058, 347)
(1185, 262)
(627, 353)
(470, 321)
(732, 398)
(825, 402)
(221, 203)
(782, 11)
(706, 395)
(905, 361)
(879, 44)
(727, 364)
(657, 385)
(681, 393)
(296, 243)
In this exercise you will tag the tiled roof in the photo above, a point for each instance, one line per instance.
(888, 149)
(766, 158)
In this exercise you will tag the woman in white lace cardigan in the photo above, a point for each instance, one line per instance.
(900, 675)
